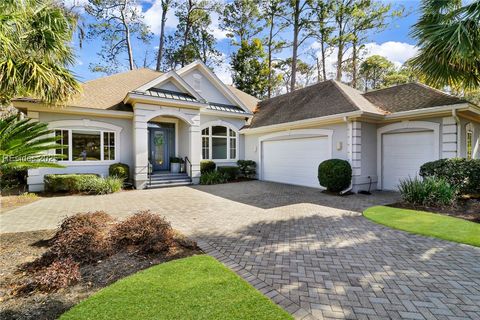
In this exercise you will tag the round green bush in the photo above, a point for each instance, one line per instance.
(335, 174)
(119, 170)
(207, 166)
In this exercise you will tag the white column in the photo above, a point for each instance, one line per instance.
(355, 147)
(140, 148)
(449, 137)
(34, 179)
(195, 148)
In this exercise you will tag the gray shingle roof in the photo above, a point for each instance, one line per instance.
(331, 97)
(410, 96)
(319, 100)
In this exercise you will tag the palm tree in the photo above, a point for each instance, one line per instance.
(24, 143)
(448, 35)
(35, 51)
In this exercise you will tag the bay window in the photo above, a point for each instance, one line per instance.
(86, 145)
(219, 143)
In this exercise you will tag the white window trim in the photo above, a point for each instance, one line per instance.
(228, 125)
(88, 125)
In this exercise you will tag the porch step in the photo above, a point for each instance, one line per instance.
(169, 176)
(162, 180)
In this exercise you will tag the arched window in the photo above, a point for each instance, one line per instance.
(469, 140)
(219, 143)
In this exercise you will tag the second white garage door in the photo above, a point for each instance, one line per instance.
(294, 161)
(403, 154)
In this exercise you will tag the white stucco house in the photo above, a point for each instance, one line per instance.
(143, 117)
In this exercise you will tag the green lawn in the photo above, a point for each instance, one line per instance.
(198, 287)
(428, 224)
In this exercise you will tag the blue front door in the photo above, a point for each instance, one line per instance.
(162, 147)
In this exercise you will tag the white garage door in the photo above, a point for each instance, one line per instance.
(403, 154)
(294, 161)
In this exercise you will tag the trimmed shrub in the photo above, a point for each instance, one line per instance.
(103, 185)
(230, 172)
(83, 237)
(464, 174)
(214, 177)
(335, 174)
(119, 170)
(149, 231)
(431, 191)
(60, 274)
(68, 182)
(247, 168)
(207, 166)
(90, 183)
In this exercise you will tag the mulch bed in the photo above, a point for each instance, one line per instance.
(467, 209)
(19, 248)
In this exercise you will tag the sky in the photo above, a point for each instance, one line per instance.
(394, 43)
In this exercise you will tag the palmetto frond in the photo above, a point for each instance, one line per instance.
(448, 35)
(35, 51)
(25, 144)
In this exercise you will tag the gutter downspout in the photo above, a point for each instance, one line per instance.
(459, 131)
(350, 151)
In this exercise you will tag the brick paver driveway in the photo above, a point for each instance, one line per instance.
(311, 253)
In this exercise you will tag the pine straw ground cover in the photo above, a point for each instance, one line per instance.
(45, 273)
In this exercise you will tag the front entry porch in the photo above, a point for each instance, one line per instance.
(160, 135)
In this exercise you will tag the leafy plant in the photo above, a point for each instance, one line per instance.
(148, 230)
(229, 172)
(104, 185)
(247, 168)
(464, 174)
(335, 174)
(207, 166)
(213, 177)
(430, 191)
(89, 183)
(119, 170)
(36, 51)
(449, 43)
(176, 160)
(24, 144)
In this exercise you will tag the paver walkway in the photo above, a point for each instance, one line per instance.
(313, 254)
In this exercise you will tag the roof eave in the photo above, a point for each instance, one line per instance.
(226, 113)
(42, 107)
(305, 122)
(132, 98)
(428, 111)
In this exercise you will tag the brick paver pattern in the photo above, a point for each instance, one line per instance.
(311, 253)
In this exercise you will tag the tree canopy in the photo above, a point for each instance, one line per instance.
(36, 51)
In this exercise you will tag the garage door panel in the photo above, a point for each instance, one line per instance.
(294, 161)
(403, 154)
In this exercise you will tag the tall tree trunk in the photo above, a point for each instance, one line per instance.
(162, 39)
(187, 33)
(323, 51)
(270, 71)
(354, 64)
(127, 39)
(296, 30)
